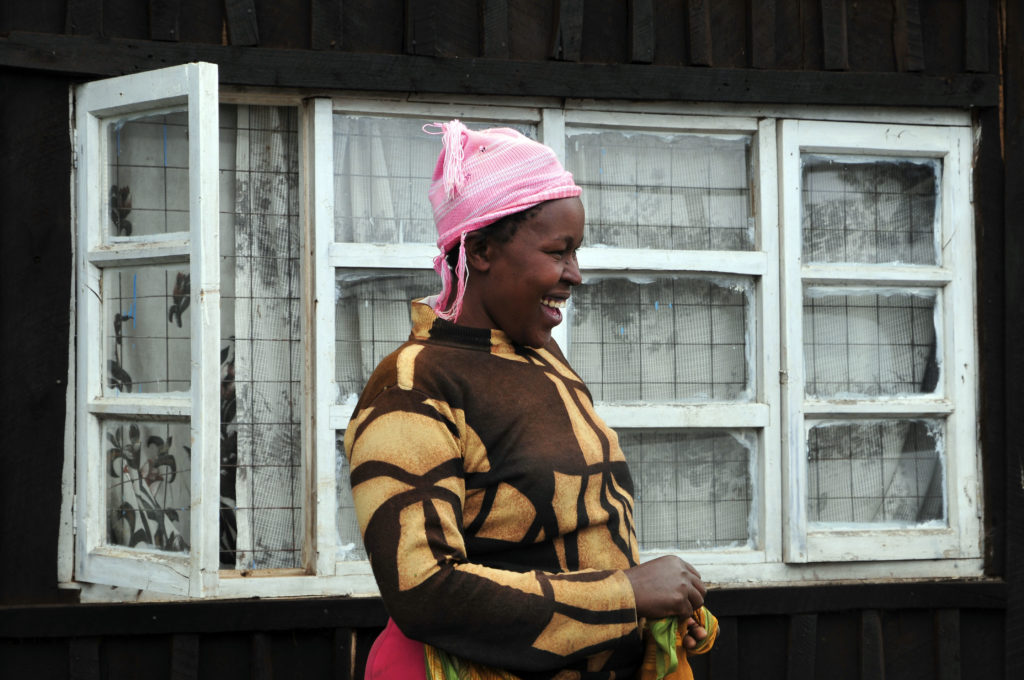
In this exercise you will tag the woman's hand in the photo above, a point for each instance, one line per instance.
(666, 586)
(695, 633)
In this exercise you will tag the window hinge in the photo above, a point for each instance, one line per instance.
(783, 377)
(74, 515)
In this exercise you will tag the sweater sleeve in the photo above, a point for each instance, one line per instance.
(405, 451)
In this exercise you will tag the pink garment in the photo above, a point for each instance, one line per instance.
(395, 657)
(480, 177)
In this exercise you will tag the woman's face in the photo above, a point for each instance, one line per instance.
(522, 286)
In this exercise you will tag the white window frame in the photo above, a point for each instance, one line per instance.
(786, 548)
(195, 87)
(952, 279)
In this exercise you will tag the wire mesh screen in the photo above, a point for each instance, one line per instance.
(663, 190)
(870, 210)
(148, 345)
(372, 320)
(148, 484)
(350, 540)
(383, 168)
(694, 489)
(869, 342)
(876, 472)
(262, 482)
(665, 338)
(147, 169)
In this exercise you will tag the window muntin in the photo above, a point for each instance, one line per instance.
(733, 418)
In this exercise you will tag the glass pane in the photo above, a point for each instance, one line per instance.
(694, 489)
(666, 338)
(663, 190)
(869, 343)
(372, 320)
(147, 319)
(147, 170)
(382, 171)
(870, 210)
(262, 359)
(350, 541)
(876, 472)
(148, 480)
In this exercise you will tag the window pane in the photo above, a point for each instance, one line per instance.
(372, 320)
(147, 322)
(148, 480)
(665, 338)
(382, 171)
(876, 472)
(147, 170)
(869, 343)
(262, 363)
(350, 541)
(694, 489)
(663, 190)
(870, 210)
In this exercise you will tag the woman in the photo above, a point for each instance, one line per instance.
(495, 505)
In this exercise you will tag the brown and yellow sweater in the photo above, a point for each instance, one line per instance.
(495, 505)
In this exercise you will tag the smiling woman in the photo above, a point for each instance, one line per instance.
(495, 504)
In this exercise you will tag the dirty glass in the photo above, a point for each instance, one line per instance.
(662, 189)
(694, 489)
(870, 210)
(147, 477)
(878, 471)
(869, 342)
(147, 175)
(662, 338)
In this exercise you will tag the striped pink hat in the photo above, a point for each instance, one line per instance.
(480, 177)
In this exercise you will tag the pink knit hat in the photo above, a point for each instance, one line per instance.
(480, 177)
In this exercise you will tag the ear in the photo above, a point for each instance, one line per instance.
(479, 252)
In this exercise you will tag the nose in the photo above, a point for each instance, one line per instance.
(571, 271)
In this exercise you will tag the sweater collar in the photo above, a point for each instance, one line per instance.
(427, 326)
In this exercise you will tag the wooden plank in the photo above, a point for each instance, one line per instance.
(833, 33)
(641, 31)
(990, 229)
(568, 32)
(394, 73)
(872, 651)
(907, 40)
(241, 20)
(343, 650)
(84, 658)
(420, 27)
(163, 20)
(1013, 268)
(947, 644)
(762, 34)
(325, 24)
(84, 17)
(803, 641)
(976, 36)
(724, 659)
(262, 657)
(184, 656)
(699, 25)
(494, 29)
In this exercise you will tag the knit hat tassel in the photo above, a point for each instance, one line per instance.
(461, 275)
(454, 174)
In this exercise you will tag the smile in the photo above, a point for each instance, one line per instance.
(554, 303)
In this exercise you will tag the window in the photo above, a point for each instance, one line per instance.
(777, 318)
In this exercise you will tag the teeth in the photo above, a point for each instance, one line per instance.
(552, 302)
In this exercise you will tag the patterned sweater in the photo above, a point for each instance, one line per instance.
(495, 505)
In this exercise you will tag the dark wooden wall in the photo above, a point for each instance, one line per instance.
(911, 53)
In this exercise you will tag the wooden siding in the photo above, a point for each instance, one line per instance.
(916, 53)
(867, 631)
